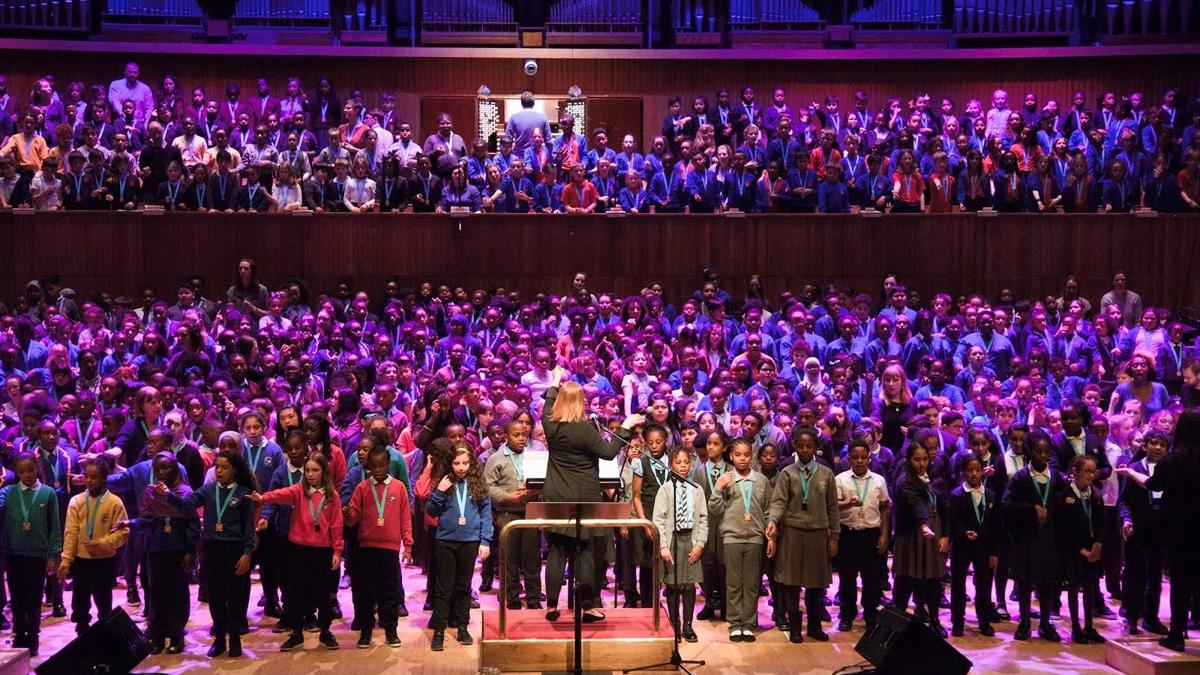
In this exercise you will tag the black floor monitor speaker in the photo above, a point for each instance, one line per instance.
(898, 643)
(112, 645)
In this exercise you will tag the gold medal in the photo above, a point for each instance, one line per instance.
(379, 522)
(462, 521)
(219, 528)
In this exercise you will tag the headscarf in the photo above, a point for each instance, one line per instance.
(814, 386)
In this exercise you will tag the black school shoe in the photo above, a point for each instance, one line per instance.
(295, 641)
(464, 638)
(327, 640)
(438, 643)
(688, 634)
(1172, 642)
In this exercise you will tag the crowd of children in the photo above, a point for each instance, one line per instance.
(96, 147)
(328, 440)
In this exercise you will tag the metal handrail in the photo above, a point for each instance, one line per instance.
(529, 524)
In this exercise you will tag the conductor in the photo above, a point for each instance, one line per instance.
(576, 447)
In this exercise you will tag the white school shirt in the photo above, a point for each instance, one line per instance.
(1110, 487)
(50, 201)
(848, 485)
(359, 191)
(286, 195)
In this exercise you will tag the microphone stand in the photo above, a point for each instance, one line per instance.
(676, 660)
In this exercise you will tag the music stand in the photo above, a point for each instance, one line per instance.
(577, 511)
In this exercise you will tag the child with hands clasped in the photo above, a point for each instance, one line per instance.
(740, 501)
(680, 510)
(171, 535)
(973, 526)
(315, 552)
(91, 542)
(464, 512)
(1080, 534)
(804, 517)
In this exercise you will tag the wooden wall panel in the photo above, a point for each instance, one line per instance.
(961, 254)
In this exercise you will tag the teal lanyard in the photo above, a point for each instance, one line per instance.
(720, 469)
(862, 490)
(933, 499)
(251, 457)
(1086, 501)
(290, 480)
(222, 505)
(460, 497)
(1043, 495)
(378, 496)
(980, 507)
(805, 478)
(26, 505)
(315, 513)
(145, 429)
(746, 487)
(92, 513)
(518, 461)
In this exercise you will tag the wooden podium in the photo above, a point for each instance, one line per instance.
(523, 640)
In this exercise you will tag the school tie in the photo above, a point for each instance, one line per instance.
(683, 507)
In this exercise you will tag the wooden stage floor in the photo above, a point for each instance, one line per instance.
(772, 653)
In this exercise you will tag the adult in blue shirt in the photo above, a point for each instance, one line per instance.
(522, 125)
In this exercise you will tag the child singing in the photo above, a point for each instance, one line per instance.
(804, 516)
(921, 544)
(505, 478)
(862, 547)
(1080, 525)
(32, 543)
(740, 500)
(379, 511)
(464, 532)
(974, 529)
(315, 547)
(227, 540)
(1029, 511)
(681, 516)
(91, 542)
(172, 535)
